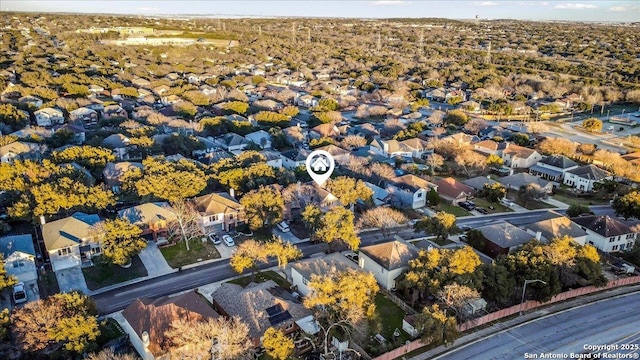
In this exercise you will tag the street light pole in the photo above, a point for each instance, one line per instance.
(524, 289)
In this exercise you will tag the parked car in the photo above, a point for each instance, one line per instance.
(467, 205)
(283, 226)
(215, 239)
(19, 293)
(465, 228)
(482, 210)
(228, 240)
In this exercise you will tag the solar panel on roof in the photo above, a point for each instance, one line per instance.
(275, 310)
(279, 318)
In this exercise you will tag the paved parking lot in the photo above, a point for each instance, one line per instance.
(71, 279)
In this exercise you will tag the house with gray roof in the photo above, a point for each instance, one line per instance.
(549, 229)
(607, 233)
(292, 159)
(501, 238)
(233, 142)
(18, 255)
(553, 168)
(584, 177)
(479, 182)
(260, 306)
(515, 181)
(119, 144)
(113, 173)
(388, 260)
(303, 270)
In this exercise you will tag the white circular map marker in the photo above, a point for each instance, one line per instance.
(320, 165)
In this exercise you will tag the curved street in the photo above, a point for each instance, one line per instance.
(614, 321)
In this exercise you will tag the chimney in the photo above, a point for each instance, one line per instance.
(232, 192)
(538, 235)
(42, 220)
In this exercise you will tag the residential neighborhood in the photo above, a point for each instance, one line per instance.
(157, 200)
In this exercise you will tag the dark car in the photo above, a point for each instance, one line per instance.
(467, 205)
(482, 210)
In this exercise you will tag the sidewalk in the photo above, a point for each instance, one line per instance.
(533, 315)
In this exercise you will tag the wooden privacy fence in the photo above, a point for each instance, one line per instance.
(527, 305)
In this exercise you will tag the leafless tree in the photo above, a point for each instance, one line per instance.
(188, 222)
(382, 218)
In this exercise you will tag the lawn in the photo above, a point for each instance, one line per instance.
(497, 207)
(390, 318)
(578, 200)
(177, 255)
(454, 210)
(531, 205)
(105, 274)
(262, 277)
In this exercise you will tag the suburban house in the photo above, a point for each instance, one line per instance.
(303, 270)
(453, 191)
(111, 111)
(324, 130)
(79, 134)
(272, 157)
(84, 116)
(31, 101)
(547, 230)
(49, 117)
(583, 177)
(292, 159)
(153, 218)
(260, 138)
(113, 174)
(553, 168)
(340, 155)
(607, 233)
(260, 306)
(147, 321)
(478, 182)
(382, 197)
(119, 144)
(410, 190)
(500, 238)
(516, 156)
(306, 101)
(461, 139)
(19, 150)
(387, 261)
(19, 255)
(407, 148)
(490, 147)
(68, 241)
(233, 142)
(219, 212)
(515, 181)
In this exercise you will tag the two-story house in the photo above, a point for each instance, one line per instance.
(152, 218)
(553, 168)
(219, 212)
(607, 233)
(516, 156)
(49, 117)
(584, 177)
(387, 261)
(68, 241)
(410, 190)
(85, 116)
(119, 144)
(19, 255)
(407, 148)
(112, 111)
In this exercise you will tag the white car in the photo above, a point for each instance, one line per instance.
(228, 240)
(283, 226)
(19, 294)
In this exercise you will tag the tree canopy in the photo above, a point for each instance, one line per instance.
(264, 208)
(120, 240)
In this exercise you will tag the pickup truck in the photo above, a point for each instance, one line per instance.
(623, 269)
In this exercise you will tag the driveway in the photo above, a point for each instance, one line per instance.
(287, 236)
(153, 260)
(72, 279)
(225, 251)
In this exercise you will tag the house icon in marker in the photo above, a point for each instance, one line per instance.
(320, 164)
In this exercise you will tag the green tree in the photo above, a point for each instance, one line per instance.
(277, 344)
(440, 225)
(493, 192)
(186, 109)
(91, 157)
(628, 206)
(5, 322)
(494, 161)
(247, 256)
(328, 104)
(5, 279)
(181, 144)
(520, 139)
(120, 240)
(215, 126)
(577, 210)
(12, 117)
(162, 179)
(592, 125)
(436, 327)
(236, 107)
(270, 118)
(499, 285)
(290, 111)
(433, 197)
(311, 216)
(456, 117)
(349, 190)
(531, 192)
(65, 194)
(264, 208)
(337, 225)
(283, 251)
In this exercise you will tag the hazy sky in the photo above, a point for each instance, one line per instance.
(626, 10)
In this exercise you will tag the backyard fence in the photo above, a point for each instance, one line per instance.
(528, 305)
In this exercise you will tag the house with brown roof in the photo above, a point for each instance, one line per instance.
(490, 147)
(219, 212)
(387, 261)
(19, 150)
(324, 130)
(260, 306)
(146, 321)
(453, 191)
(607, 233)
(152, 218)
(516, 156)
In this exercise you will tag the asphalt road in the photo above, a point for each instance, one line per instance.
(613, 321)
(120, 298)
